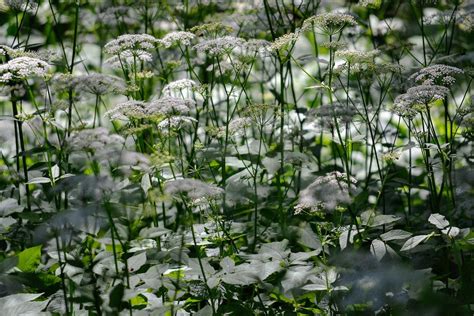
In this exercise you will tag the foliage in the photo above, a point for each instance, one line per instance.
(266, 157)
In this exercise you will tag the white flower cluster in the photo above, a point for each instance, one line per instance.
(180, 85)
(130, 48)
(28, 6)
(175, 122)
(326, 192)
(329, 23)
(436, 75)
(417, 98)
(168, 105)
(128, 110)
(93, 139)
(99, 84)
(283, 42)
(354, 56)
(131, 42)
(174, 38)
(23, 67)
(219, 46)
(192, 189)
(328, 112)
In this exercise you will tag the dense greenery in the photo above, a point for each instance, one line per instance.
(267, 157)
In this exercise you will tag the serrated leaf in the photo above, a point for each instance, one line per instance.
(395, 234)
(413, 242)
(438, 220)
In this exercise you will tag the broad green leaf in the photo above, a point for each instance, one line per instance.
(395, 234)
(451, 231)
(39, 180)
(134, 263)
(380, 220)
(22, 304)
(378, 249)
(9, 206)
(317, 285)
(309, 239)
(116, 296)
(413, 242)
(227, 264)
(29, 259)
(438, 220)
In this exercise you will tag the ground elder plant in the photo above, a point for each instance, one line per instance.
(265, 157)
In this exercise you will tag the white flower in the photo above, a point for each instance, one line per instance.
(28, 6)
(417, 98)
(183, 38)
(168, 105)
(220, 45)
(175, 122)
(354, 56)
(99, 84)
(131, 42)
(180, 85)
(128, 110)
(22, 68)
(326, 192)
(93, 139)
(192, 189)
(129, 57)
(330, 23)
(436, 75)
(283, 42)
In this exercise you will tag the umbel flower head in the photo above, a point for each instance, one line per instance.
(326, 192)
(127, 110)
(355, 56)
(99, 84)
(329, 23)
(192, 189)
(219, 46)
(23, 67)
(442, 75)
(283, 42)
(131, 42)
(180, 85)
(28, 6)
(93, 140)
(417, 99)
(168, 105)
(129, 48)
(177, 38)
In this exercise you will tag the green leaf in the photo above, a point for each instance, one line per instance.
(378, 249)
(380, 220)
(395, 234)
(29, 259)
(438, 220)
(9, 206)
(134, 263)
(22, 304)
(317, 285)
(414, 241)
(39, 180)
(116, 296)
